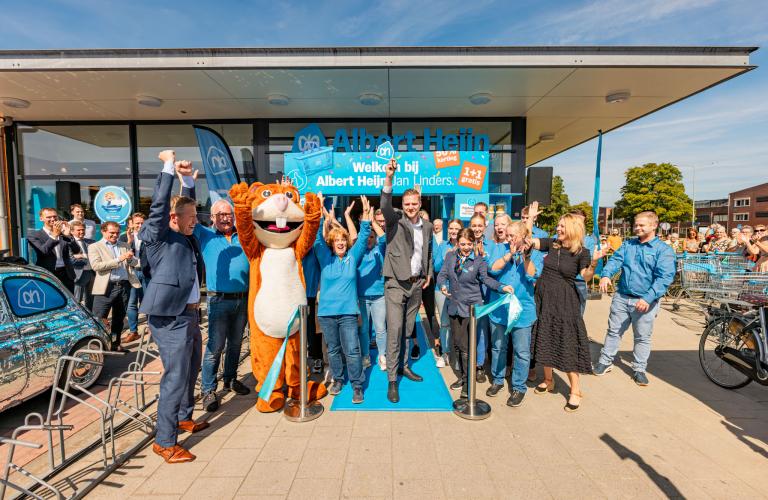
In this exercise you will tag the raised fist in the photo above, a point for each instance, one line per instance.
(240, 194)
(167, 155)
(184, 168)
(391, 168)
(311, 204)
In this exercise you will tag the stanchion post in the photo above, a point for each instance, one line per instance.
(301, 411)
(472, 408)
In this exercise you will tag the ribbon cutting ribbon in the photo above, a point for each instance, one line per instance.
(269, 382)
(514, 309)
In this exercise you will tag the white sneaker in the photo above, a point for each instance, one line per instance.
(439, 362)
(383, 363)
(366, 361)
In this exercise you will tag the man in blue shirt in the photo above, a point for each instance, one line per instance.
(226, 278)
(647, 267)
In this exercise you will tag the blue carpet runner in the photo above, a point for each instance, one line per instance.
(429, 395)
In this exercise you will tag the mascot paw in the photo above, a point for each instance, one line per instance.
(315, 391)
(275, 403)
(311, 203)
(239, 194)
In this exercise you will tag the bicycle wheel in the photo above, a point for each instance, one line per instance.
(720, 332)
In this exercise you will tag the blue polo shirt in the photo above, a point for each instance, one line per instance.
(370, 281)
(514, 274)
(226, 266)
(338, 276)
(538, 232)
(647, 269)
(311, 273)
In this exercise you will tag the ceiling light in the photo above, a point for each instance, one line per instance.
(546, 137)
(370, 99)
(480, 98)
(13, 102)
(278, 99)
(617, 97)
(149, 101)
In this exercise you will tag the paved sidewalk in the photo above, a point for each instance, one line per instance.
(681, 436)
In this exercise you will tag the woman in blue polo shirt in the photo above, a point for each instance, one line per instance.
(370, 290)
(337, 311)
(518, 266)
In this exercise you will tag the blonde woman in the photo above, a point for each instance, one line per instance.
(559, 337)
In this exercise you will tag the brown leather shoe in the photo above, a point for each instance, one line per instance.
(173, 454)
(192, 426)
(131, 337)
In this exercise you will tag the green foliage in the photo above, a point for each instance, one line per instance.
(658, 187)
(587, 208)
(560, 204)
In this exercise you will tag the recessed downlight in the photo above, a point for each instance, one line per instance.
(13, 102)
(278, 99)
(480, 98)
(370, 99)
(617, 97)
(149, 101)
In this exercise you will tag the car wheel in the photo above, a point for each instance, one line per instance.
(84, 374)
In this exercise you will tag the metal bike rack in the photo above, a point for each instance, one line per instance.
(472, 408)
(301, 411)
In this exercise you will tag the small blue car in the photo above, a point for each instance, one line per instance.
(40, 321)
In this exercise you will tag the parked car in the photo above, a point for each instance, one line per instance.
(40, 321)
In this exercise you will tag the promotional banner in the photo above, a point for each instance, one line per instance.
(464, 204)
(220, 171)
(112, 203)
(433, 172)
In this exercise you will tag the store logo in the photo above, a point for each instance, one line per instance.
(218, 161)
(30, 296)
(308, 138)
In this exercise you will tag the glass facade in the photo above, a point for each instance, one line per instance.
(56, 161)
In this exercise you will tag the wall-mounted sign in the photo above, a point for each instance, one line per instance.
(112, 203)
(363, 173)
(465, 204)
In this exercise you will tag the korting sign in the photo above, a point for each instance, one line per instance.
(436, 172)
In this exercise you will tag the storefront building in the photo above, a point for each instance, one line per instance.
(75, 121)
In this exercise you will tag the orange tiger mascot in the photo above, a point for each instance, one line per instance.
(276, 233)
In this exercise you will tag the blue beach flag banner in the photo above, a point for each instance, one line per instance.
(514, 309)
(269, 382)
(596, 199)
(220, 171)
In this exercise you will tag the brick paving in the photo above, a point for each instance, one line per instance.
(681, 436)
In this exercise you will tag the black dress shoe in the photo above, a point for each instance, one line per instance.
(480, 378)
(494, 389)
(408, 373)
(237, 386)
(392, 395)
(457, 385)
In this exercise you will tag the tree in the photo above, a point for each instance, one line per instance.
(658, 187)
(587, 209)
(560, 203)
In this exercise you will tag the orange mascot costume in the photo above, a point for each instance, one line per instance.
(276, 233)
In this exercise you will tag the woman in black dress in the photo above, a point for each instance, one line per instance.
(559, 337)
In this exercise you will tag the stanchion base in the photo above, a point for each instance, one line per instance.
(293, 413)
(463, 409)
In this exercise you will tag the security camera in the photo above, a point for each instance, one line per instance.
(6, 121)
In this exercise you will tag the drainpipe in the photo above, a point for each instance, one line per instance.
(5, 241)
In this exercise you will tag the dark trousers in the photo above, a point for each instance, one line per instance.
(403, 303)
(460, 335)
(115, 299)
(83, 287)
(181, 349)
(66, 280)
(226, 323)
(314, 338)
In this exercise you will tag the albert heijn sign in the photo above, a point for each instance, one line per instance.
(355, 164)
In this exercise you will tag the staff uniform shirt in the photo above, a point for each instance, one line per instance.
(513, 273)
(647, 269)
(370, 281)
(311, 273)
(338, 276)
(226, 266)
(538, 232)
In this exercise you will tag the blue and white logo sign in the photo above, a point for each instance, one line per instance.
(308, 138)
(218, 160)
(385, 151)
(220, 171)
(112, 203)
(28, 296)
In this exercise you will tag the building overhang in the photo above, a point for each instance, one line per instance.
(566, 94)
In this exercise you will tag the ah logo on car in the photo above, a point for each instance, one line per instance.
(31, 296)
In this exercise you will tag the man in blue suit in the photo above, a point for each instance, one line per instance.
(171, 303)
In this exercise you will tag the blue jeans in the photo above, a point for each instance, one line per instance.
(226, 324)
(137, 295)
(180, 344)
(441, 307)
(581, 288)
(521, 352)
(623, 313)
(373, 310)
(483, 325)
(340, 334)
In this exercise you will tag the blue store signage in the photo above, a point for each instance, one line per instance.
(112, 203)
(433, 172)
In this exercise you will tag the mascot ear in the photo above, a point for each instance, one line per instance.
(255, 186)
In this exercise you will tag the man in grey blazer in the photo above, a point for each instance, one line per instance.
(171, 303)
(407, 271)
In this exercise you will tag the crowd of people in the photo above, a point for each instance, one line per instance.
(366, 282)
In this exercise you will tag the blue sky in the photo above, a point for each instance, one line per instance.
(721, 132)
